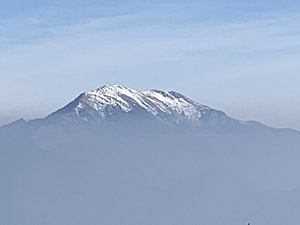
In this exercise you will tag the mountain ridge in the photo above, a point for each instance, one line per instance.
(119, 103)
(169, 107)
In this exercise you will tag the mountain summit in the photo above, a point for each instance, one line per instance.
(169, 107)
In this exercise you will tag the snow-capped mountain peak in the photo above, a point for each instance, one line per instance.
(166, 106)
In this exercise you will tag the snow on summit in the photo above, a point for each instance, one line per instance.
(167, 106)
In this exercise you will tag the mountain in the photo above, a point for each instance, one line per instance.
(114, 110)
(167, 107)
(119, 104)
(119, 156)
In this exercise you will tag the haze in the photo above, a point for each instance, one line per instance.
(132, 168)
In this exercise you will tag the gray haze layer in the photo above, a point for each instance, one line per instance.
(80, 166)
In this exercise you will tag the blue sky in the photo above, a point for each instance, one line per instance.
(238, 56)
